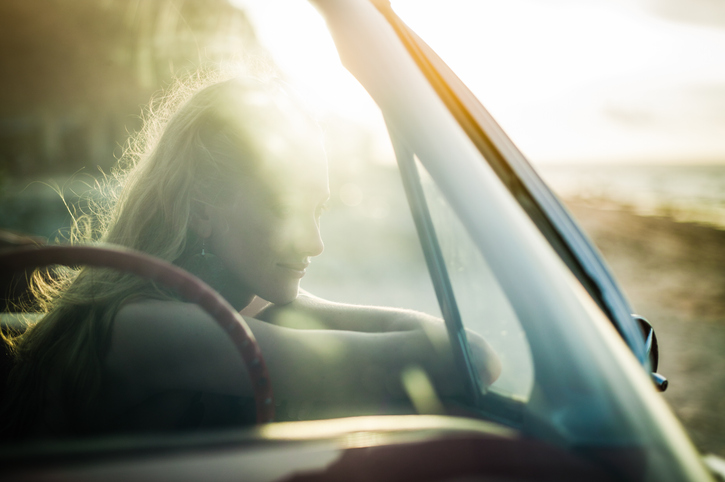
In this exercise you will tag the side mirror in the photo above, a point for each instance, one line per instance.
(653, 354)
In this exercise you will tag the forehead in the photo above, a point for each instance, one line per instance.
(293, 159)
(286, 142)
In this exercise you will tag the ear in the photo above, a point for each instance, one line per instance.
(201, 220)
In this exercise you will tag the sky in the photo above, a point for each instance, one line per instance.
(570, 81)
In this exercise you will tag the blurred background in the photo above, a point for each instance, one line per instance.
(619, 105)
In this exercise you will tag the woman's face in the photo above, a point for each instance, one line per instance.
(268, 231)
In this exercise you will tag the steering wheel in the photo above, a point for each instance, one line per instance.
(185, 284)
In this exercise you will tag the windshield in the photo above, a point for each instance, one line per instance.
(483, 305)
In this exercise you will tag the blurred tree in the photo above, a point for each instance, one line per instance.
(74, 73)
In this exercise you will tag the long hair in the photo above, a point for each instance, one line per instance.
(187, 155)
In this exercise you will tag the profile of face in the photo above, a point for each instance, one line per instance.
(268, 232)
(266, 227)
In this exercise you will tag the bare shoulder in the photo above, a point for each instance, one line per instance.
(151, 318)
(167, 345)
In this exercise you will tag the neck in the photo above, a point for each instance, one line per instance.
(236, 295)
(212, 271)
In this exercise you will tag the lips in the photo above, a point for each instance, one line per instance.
(295, 269)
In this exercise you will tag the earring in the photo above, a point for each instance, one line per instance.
(206, 266)
(203, 247)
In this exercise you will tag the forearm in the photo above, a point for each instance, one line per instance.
(311, 312)
(324, 365)
(427, 333)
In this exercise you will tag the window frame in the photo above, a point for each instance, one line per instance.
(438, 271)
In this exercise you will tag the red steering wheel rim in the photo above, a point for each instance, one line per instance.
(187, 285)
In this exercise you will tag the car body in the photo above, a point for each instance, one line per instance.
(577, 401)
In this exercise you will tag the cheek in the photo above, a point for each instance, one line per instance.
(279, 237)
(246, 226)
(256, 236)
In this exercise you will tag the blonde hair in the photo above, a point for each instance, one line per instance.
(188, 154)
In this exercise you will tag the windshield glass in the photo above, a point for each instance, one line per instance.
(482, 303)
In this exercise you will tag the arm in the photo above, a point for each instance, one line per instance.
(311, 312)
(162, 345)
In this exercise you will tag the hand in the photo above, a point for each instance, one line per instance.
(485, 360)
(441, 365)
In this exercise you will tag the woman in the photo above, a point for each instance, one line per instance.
(232, 189)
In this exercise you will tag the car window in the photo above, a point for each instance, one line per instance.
(372, 253)
(483, 305)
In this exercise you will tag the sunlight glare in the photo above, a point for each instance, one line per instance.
(297, 38)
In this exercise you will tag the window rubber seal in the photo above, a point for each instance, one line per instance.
(438, 271)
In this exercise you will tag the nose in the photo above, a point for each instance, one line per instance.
(308, 240)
